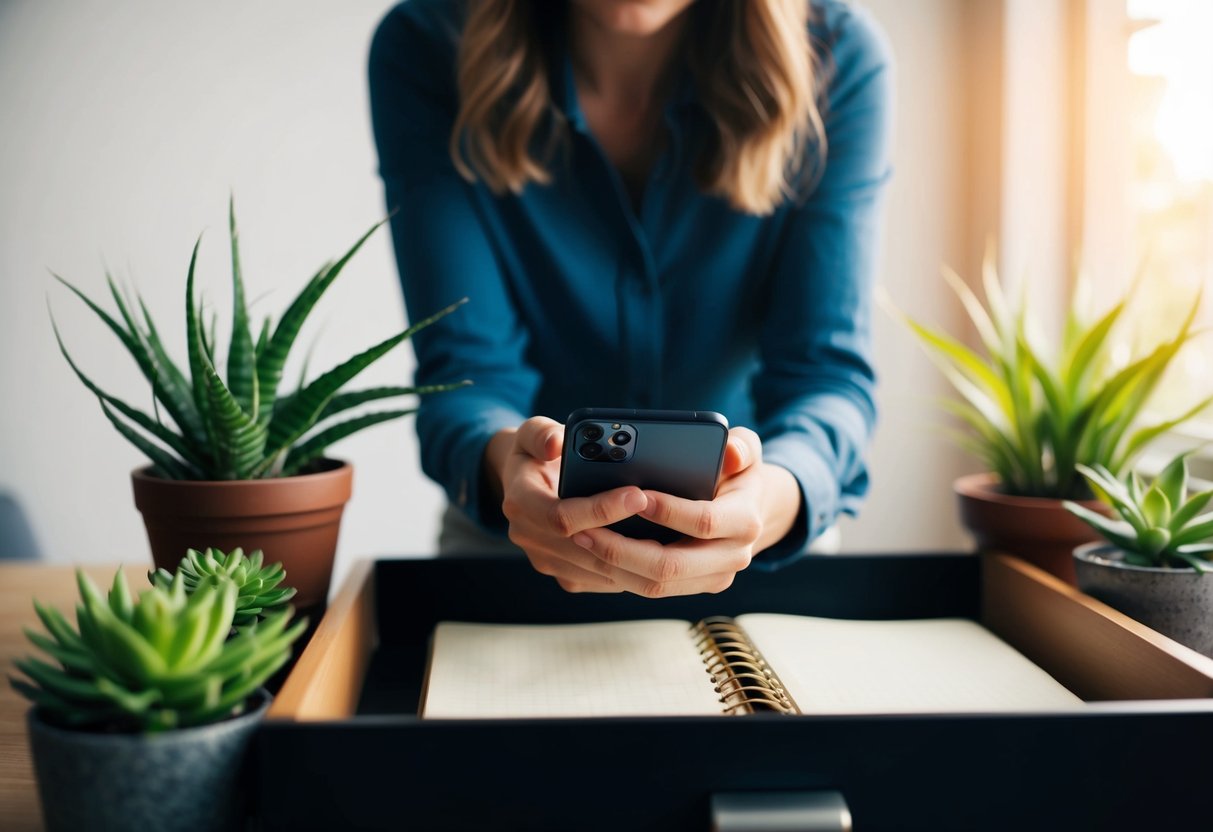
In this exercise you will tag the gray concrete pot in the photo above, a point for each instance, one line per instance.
(188, 779)
(1176, 602)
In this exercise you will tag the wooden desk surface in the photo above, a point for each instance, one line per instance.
(20, 583)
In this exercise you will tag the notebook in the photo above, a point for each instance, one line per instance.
(758, 662)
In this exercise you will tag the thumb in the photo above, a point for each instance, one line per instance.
(744, 448)
(541, 438)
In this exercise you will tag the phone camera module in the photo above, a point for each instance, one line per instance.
(591, 433)
(618, 454)
(621, 438)
(590, 450)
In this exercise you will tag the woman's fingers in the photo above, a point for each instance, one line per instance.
(568, 539)
(540, 438)
(744, 448)
(722, 518)
(645, 567)
(568, 517)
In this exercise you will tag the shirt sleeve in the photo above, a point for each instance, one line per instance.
(444, 254)
(813, 393)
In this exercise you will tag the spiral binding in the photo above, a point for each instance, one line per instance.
(738, 671)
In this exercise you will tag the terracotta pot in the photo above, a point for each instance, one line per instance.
(1036, 529)
(294, 520)
(1176, 602)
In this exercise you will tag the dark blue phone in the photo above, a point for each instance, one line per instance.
(677, 452)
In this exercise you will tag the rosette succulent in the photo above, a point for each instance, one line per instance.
(257, 592)
(1161, 525)
(166, 659)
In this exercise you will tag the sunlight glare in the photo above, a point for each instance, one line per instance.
(1176, 49)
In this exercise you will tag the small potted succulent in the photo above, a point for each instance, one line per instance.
(144, 711)
(239, 461)
(258, 590)
(1033, 418)
(1153, 564)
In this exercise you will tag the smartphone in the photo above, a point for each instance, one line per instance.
(677, 452)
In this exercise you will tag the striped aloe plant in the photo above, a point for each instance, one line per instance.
(1034, 419)
(243, 427)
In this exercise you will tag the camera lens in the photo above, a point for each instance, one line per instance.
(591, 433)
(590, 450)
(617, 454)
(621, 438)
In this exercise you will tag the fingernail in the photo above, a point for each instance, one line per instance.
(584, 541)
(650, 507)
(635, 501)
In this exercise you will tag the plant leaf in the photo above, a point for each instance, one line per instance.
(158, 376)
(155, 428)
(1116, 531)
(345, 401)
(1144, 436)
(168, 466)
(1156, 507)
(197, 351)
(1197, 563)
(241, 355)
(315, 446)
(1173, 481)
(307, 404)
(273, 358)
(1189, 510)
(239, 439)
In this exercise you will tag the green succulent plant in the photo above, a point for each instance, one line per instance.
(243, 427)
(257, 592)
(167, 659)
(1033, 419)
(1159, 525)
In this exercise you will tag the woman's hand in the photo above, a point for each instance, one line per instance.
(526, 462)
(754, 508)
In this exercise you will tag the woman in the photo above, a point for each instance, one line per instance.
(665, 204)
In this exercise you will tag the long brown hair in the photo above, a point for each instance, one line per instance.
(756, 76)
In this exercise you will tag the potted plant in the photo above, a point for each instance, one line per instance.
(1153, 564)
(239, 462)
(1034, 418)
(143, 713)
(258, 594)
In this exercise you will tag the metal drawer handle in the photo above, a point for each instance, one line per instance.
(815, 811)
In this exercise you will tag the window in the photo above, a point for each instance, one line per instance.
(1147, 196)
(1170, 196)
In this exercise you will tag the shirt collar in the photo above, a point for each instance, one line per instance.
(563, 86)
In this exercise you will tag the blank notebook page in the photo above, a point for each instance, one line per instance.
(632, 668)
(841, 666)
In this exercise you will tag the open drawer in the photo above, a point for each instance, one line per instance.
(343, 747)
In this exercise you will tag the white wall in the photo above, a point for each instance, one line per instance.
(911, 506)
(125, 126)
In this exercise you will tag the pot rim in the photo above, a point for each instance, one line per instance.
(340, 469)
(36, 721)
(984, 486)
(1089, 553)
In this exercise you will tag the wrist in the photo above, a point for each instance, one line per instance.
(780, 504)
(496, 452)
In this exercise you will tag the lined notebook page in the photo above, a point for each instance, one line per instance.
(620, 668)
(838, 666)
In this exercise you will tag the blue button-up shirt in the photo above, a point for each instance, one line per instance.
(578, 299)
